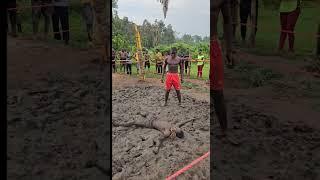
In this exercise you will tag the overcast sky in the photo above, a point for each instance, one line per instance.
(185, 16)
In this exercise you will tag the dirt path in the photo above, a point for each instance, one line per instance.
(56, 128)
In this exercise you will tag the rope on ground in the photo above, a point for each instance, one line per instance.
(189, 166)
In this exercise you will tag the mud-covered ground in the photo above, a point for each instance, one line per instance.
(273, 118)
(134, 149)
(57, 128)
(268, 149)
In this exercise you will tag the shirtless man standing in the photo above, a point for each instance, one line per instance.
(172, 76)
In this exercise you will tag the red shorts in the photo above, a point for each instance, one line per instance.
(173, 79)
(216, 67)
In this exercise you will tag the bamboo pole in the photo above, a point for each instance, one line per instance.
(139, 54)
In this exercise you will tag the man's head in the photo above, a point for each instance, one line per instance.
(157, 50)
(200, 52)
(179, 133)
(173, 52)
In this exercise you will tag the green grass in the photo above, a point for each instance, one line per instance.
(78, 35)
(255, 76)
(267, 38)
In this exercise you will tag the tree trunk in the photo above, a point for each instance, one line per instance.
(253, 22)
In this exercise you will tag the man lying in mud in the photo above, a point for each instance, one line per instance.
(172, 76)
(167, 129)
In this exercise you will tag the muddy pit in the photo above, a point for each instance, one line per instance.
(269, 148)
(56, 127)
(133, 148)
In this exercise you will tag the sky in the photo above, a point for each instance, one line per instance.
(185, 16)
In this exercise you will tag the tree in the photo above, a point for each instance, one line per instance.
(146, 32)
(187, 38)
(197, 38)
(206, 39)
(165, 5)
(168, 35)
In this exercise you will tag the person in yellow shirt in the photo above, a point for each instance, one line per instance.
(200, 64)
(87, 14)
(159, 61)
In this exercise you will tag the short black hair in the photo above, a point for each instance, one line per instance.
(180, 134)
(174, 49)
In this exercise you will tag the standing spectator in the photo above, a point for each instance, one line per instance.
(123, 58)
(187, 64)
(114, 68)
(61, 14)
(234, 17)
(12, 13)
(87, 13)
(129, 64)
(200, 64)
(159, 61)
(146, 60)
(289, 13)
(225, 7)
(18, 16)
(44, 8)
(245, 11)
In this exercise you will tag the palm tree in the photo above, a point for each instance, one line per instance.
(165, 6)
